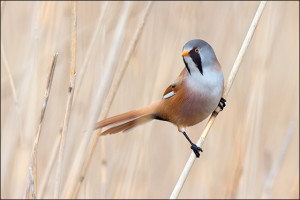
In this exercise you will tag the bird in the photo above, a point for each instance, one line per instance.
(190, 99)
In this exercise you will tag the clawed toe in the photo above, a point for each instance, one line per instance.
(222, 103)
(196, 150)
(194, 147)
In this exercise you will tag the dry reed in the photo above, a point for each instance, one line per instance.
(105, 83)
(49, 168)
(246, 141)
(278, 162)
(211, 120)
(11, 81)
(108, 102)
(244, 144)
(69, 103)
(98, 31)
(32, 169)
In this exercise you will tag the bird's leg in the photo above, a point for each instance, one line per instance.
(194, 147)
(222, 103)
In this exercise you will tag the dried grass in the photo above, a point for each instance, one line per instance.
(69, 104)
(213, 116)
(32, 169)
(245, 142)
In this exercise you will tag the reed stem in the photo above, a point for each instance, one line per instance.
(32, 169)
(212, 118)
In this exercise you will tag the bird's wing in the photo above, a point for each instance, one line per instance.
(174, 87)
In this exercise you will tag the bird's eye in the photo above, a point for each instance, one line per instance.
(197, 50)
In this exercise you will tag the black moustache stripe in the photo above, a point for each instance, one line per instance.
(197, 60)
(187, 67)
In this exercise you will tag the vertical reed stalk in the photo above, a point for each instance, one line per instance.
(32, 169)
(49, 168)
(98, 31)
(243, 143)
(278, 162)
(100, 94)
(11, 81)
(211, 120)
(69, 103)
(108, 103)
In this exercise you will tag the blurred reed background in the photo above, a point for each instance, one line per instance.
(252, 150)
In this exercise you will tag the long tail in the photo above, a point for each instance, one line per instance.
(128, 120)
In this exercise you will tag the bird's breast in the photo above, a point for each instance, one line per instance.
(202, 97)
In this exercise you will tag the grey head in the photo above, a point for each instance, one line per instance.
(197, 55)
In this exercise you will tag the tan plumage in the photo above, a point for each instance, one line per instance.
(128, 120)
(190, 99)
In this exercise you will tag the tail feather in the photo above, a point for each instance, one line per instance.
(118, 119)
(128, 125)
(126, 121)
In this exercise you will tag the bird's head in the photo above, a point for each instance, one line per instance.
(197, 56)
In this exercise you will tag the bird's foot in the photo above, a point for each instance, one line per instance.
(196, 150)
(222, 103)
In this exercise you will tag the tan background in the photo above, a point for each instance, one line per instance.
(243, 146)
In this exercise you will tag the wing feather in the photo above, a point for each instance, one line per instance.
(174, 87)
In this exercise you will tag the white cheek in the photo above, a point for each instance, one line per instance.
(192, 66)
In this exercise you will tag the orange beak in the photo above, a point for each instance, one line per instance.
(185, 53)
